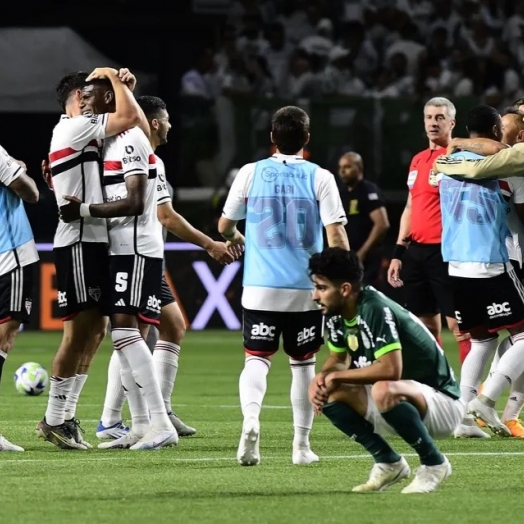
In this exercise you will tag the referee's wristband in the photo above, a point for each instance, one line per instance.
(84, 210)
(398, 251)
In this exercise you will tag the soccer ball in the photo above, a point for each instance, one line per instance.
(31, 379)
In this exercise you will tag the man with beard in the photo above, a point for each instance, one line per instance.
(386, 375)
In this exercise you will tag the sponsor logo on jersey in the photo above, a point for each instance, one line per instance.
(412, 177)
(306, 335)
(153, 303)
(388, 318)
(62, 299)
(499, 310)
(262, 331)
(362, 362)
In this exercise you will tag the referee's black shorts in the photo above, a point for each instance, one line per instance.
(426, 281)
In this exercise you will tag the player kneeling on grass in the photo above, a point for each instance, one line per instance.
(386, 375)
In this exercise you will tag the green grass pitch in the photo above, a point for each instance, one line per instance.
(199, 481)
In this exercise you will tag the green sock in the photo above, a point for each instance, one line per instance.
(405, 419)
(360, 430)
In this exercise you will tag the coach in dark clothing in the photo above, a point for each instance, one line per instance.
(366, 212)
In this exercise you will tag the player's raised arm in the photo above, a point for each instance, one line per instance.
(506, 163)
(127, 113)
(480, 146)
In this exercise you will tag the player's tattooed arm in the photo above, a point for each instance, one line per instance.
(480, 146)
(132, 205)
(337, 236)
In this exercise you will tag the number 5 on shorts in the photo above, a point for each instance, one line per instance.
(121, 282)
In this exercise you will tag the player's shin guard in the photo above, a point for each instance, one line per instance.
(72, 399)
(165, 360)
(509, 368)
(115, 396)
(405, 419)
(464, 349)
(252, 385)
(135, 351)
(355, 426)
(302, 372)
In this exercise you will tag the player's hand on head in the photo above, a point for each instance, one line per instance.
(220, 253)
(102, 72)
(71, 211)
(394, 273)
(128, 78)
(46, 174)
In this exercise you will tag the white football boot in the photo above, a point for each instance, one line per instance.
(489, 415)
(248, 453)
(125, 442)
(384, 475)
(304, 456)
(5, 445)
(469, 429)
(156, 439)
(428, 478)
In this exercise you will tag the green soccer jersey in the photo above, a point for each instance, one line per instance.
(381, 326)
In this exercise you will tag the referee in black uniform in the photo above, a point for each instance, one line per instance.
(366, 212)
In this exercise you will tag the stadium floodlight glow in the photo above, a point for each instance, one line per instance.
(216, 299)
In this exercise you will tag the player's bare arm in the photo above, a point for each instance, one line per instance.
(128, 113)
(180, 227)
(387, 367)
(380, 220)
(25, 187)
(337, 236)
(132, 205)
(395, 265)
(336, 361)
(480, 146)
(228, 229)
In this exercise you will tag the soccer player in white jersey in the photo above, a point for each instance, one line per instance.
(80, 248)
(136, 251)
(18, 257)
(285, 200)
(172, 326)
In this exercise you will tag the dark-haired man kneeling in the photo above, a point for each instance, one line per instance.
(386, 375)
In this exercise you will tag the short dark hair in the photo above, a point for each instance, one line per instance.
(518, 102)
(511, 110)
(337, 265)
(151, 106)
(481, 119)
(290, 128)
(68, 85)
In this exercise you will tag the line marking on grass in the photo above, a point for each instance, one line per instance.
(123, 454)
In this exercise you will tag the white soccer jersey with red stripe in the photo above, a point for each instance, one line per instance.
(125, 155)
(513, 191)
(74, 157)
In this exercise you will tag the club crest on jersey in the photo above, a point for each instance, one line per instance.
(95, 293)
(352, 340)
(28, 305)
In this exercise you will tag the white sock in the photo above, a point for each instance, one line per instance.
(302, 373)
(501, 349)
(135, 399)
(474, 365)
(165, 360)
(133, 347)
(509, 368)
(115, 395)
(59, 390)
(515, 401)
(72, 399)
(252, 385)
